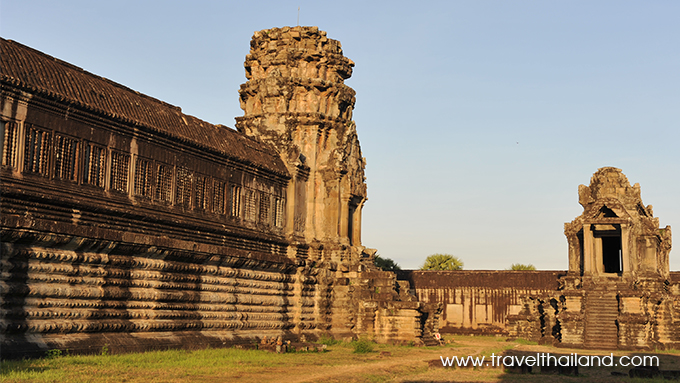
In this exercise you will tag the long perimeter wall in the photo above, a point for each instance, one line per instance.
(491, 302)
(478, 302)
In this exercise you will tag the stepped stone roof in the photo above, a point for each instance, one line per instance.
(35, 72)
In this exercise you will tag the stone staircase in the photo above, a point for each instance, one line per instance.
(430, 340)
(430, 324)
(602, 310)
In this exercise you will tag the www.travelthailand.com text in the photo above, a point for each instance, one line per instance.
(546, 359)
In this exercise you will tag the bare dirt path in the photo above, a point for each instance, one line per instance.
(411, 365)
(403, 365)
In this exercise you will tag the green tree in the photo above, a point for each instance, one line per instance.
(442, 262)
(385, 263)
(519, 266)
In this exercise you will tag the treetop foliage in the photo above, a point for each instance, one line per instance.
(442, 262)
(386, 264)
(519, 266)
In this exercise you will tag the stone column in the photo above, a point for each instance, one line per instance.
(626, 264)
(588, 245)
(356, 224)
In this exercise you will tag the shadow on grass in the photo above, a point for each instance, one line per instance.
(27, 366)
(515, 365)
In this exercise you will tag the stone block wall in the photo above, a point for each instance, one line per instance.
(553, 307)
(603, 314)
(133, 298)
(478, 302)
(129, 225)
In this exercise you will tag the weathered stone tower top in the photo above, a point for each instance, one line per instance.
(611, 183)
(296, 70)
(315, 55)
(295, 99)
(616, 235)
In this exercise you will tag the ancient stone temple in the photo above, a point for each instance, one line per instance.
(128, 224)
(296, 100)
(618, 292)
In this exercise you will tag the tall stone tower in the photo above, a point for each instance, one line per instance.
(295, 99)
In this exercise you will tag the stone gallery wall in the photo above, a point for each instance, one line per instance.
(122, 224)
(129, 225)
(539, 306)
(479, 302)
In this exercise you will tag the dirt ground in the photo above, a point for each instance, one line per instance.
(386, 363)
(424, 365)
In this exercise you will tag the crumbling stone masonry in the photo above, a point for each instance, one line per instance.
(128, 224)
(618, 292)
(478, 301)
(296, 100)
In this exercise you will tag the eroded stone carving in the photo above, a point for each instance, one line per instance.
(616, 234)
(126, 223)
(296, 100)
(619, 291)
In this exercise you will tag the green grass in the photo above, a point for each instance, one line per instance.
(339, 364)
(328, 341)
(126, 367)
(524, 341)
(181, 365)
(362, 346)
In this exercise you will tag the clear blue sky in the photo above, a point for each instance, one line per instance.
(478, 119)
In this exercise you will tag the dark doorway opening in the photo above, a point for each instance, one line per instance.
(611, 254)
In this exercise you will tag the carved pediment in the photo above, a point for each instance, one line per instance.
(606, 212)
